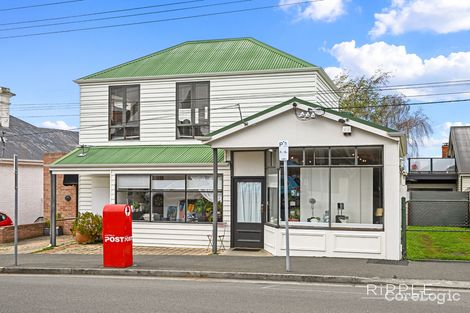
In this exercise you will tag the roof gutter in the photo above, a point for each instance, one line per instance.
(403, 141)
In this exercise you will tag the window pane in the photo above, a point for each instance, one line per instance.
(343, 156)
(168, 206)
(272, 156)
(133, 181)
(132, 104)
(116, 105)
(185, 131)
(272, 182)
(132, 132)
(124, 108)
(314, 196)
(193, 109)
(317, 156)
(184, 104)
(293, 183)
(200, 206)
(296, 156)
(356, 196)
(203, 182)
(168, 182)
(116, 133)
(201, 105)
(369, 156)
(201, 130)
(140, 202)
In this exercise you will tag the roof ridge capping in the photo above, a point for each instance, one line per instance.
(290, 61)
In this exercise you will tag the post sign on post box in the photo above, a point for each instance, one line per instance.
(117, 235)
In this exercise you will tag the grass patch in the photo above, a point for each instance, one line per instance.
(440, 243)
(43, 249)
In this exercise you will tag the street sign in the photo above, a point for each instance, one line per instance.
(284, 156)
(283, 150)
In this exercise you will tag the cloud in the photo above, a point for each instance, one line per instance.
(326, 10)
(57, 125)
(406, 67)
(439, 16)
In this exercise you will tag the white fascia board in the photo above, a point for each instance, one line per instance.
(100, 169)
(304, 107)
(200, 76)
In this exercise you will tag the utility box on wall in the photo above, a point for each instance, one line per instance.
(117, 235)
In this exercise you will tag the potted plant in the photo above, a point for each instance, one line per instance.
(87, 228)
(204, 207)
(59, 230)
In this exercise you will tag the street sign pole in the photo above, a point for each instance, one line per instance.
(15, 165)
(284, 156)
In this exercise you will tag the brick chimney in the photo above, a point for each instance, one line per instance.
(445, 150)
(5, 95)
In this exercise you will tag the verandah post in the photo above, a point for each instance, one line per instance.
(215, 200)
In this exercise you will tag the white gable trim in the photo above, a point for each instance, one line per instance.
(301, 106)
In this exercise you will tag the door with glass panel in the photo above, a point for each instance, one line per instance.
(248, 213)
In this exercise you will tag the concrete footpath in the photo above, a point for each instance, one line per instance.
(304, 269)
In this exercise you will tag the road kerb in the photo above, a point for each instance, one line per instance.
(287, 277)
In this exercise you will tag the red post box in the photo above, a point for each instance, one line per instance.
(117, 235)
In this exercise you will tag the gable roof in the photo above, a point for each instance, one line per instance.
(30, 142)
(308, 104)
(206, 56)
(139, 155)
(459, 142)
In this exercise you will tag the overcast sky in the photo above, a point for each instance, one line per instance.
(419, 41)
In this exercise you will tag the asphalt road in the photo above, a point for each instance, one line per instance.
(44, 293)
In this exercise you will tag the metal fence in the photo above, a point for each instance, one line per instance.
(438, 208)
(436, 225)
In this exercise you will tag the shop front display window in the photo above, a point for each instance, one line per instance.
(169, 198)
(340, 187)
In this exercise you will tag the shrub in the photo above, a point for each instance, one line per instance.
(88, 224)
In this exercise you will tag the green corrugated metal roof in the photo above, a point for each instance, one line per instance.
(136, 155)
(313, 105)
(206, 56)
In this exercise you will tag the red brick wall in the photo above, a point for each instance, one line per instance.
(25, 231)
(66, 209)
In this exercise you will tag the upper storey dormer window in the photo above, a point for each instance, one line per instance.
(124, 112)
(192, 109)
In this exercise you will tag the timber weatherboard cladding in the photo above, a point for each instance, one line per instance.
(254, 93)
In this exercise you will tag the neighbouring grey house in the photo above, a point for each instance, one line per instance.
(450, 172)
(30, 143)
(459, 148)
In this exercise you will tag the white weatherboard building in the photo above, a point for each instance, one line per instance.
(149, 128)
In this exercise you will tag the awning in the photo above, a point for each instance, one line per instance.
(137, 156)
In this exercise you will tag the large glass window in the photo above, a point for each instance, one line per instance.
(124, 112)
(201, 197)
(356, 196)
(337, 187)
(139, 201)
(192, 109)
(171, 198)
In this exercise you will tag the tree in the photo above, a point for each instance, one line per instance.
(369, 98)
